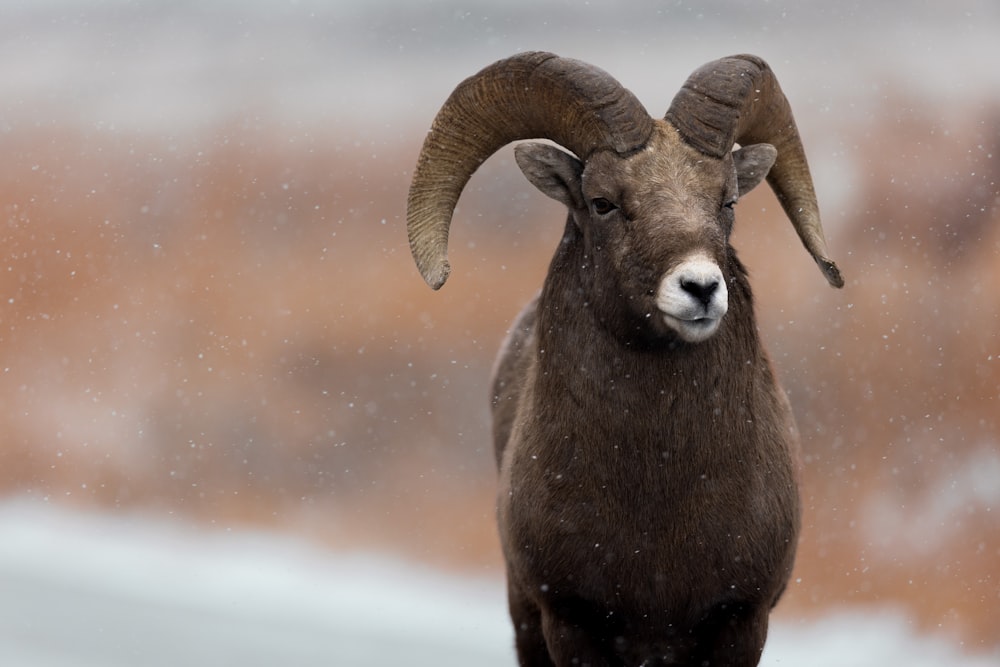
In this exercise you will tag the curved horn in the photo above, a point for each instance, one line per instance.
(738, 100)
(529, 96)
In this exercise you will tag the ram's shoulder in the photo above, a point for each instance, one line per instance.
(514, 349)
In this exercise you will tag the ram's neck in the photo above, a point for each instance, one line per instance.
(584, 357)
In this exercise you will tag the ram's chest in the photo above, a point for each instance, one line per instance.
(654, 513)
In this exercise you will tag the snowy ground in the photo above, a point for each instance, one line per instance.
(79, 590)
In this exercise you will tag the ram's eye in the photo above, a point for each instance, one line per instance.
(602, 206)
(731, 204)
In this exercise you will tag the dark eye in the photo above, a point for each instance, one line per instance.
(602, 206)
(731, 204)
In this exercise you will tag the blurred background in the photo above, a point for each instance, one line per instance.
(209, 315)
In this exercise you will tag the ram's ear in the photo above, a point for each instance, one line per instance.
(752, 164)
(553, 171)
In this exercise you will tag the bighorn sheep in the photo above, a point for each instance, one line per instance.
(648, 504)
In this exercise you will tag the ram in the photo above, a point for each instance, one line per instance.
(648, 505)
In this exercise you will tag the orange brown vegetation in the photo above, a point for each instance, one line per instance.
(229, 327)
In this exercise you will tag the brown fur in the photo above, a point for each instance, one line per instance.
(648, 507)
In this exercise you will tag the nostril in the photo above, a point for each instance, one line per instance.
(702, 291)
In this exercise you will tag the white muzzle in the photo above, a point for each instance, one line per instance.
(693, 298)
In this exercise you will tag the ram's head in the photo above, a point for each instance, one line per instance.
(651, 200)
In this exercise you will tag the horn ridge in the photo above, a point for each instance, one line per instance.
(533, 95)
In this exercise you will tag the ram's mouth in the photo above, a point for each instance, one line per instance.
(693, 330)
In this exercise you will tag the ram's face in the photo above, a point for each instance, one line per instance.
(656, 227)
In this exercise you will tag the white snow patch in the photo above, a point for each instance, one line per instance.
(970, 487)
(82, 589)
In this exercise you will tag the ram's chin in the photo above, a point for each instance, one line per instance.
(693, 331)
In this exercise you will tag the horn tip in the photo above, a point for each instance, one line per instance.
(436, 275)
(831, 271)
